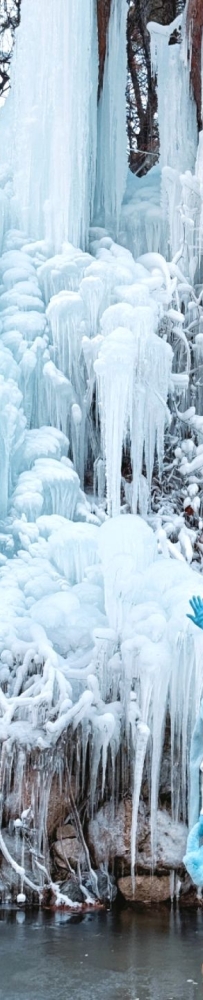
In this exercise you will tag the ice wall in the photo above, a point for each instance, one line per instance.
(59, 136)
(54, 110)
(94, 639)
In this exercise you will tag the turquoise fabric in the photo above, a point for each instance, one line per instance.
(197, 607)
(193, 859)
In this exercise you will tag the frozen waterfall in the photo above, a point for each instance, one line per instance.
(55, 191)
(96, 651)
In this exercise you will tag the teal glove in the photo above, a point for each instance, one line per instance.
(197, 607)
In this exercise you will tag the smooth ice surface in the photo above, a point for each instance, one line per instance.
(105, 954)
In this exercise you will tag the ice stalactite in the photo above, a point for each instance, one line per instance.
(133, 371)
(141, 740)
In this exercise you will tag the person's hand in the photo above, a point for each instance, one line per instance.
(197, 607)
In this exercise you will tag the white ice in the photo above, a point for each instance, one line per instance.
(93, 629)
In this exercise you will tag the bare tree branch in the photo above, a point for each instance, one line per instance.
(9, 21)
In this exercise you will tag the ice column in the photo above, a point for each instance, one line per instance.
(112, 142)
(54, 109)
(176, 111)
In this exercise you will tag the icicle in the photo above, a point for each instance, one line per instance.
(133, 371)
(142, 736)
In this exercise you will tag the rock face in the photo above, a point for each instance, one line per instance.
(109, 838)
(194, 29)
(146, 890)
(68, 851)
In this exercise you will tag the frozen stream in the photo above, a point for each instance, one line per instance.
(119, 956)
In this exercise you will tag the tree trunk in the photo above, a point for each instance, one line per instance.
(195, 28)
(103, 15)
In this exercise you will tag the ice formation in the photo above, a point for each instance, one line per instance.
(111, 154)
(177, 117)
(75, 138)
(95, 646)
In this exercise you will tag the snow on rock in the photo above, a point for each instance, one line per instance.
(109, 836)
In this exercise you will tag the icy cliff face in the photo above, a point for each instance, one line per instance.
(94, 639)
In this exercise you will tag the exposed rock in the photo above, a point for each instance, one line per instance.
(68, 852)
(147, 889)
(109, 838)
(67, 830)
(108, 834)
(58, 809)
(194, 26)
(48, 898)
(171, 843)
(188, 896)
(71, 888)
(104, 888)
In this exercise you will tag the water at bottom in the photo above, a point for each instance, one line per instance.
(107, 956)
